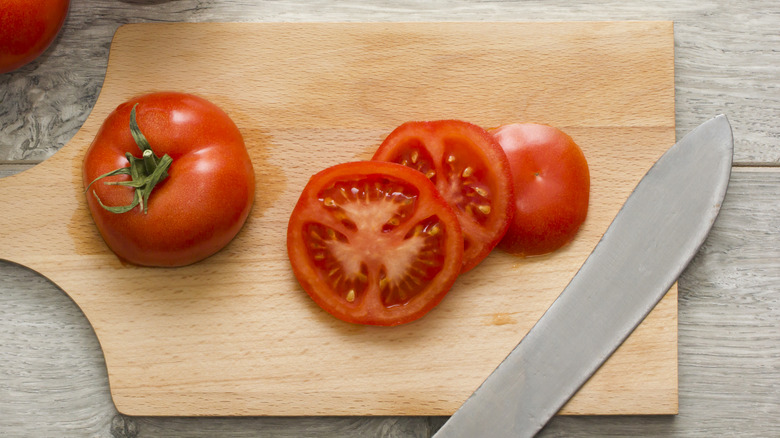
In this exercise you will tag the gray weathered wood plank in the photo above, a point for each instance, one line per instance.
(726, 57)
(53, 380)
(8, 169)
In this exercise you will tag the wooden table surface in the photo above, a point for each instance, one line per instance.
(53, 379)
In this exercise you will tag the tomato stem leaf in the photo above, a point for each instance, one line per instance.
(145, 172)
(138, 136)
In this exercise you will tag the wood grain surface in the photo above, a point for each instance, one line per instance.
(53, 379)
(234, 335)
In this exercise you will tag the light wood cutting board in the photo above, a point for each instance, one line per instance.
(235, 334)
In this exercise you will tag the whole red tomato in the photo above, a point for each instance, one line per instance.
(27, 28)
(551, 188)
(193, 191)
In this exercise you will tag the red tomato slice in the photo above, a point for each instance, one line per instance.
(469, 169)
(552, 187)
(374, 243)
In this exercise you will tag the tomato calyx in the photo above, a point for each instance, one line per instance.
(145, 172)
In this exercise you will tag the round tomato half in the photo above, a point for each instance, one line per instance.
(196, 206)
(374, 243)
(552, 187)
(27, 28)
(469, 169)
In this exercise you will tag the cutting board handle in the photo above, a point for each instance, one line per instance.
(44, 215)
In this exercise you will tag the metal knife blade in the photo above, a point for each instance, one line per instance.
(640, 256)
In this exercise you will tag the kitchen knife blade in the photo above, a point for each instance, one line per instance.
(640, 256)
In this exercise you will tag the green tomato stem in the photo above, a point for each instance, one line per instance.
(144, 172)
(149, 162)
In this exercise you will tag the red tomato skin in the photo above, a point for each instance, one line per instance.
(480, 239)
(27, 29)
(552, 188)
(199, 207)
(371, 313)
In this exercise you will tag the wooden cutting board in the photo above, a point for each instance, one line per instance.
(235, 334)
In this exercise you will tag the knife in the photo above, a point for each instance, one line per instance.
(651, 240)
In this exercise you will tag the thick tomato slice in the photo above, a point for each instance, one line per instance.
(469, 169)
(374, 243)
(552, 187)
